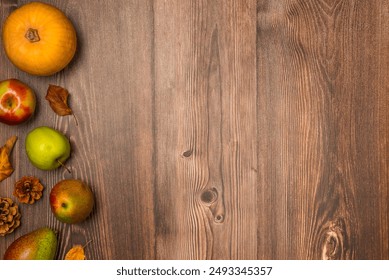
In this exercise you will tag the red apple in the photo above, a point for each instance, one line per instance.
(71, 201)
(17, 102)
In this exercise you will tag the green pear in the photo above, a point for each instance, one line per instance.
(40, 244)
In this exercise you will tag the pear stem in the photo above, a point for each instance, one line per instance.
(75, 119)
(64, 166)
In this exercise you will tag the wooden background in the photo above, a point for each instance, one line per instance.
(220, 129)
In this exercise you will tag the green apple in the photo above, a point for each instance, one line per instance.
(71, 201)
(47, 148)
(17, 102)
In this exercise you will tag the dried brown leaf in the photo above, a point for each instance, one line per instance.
(6, 168)
(76, 253)
(58, 100)
(10, 144)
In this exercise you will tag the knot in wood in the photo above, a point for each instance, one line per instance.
(335, 241)
(208, 197)
(219, 218)
(187, 153)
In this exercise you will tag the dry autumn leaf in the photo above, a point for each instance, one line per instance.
(10, 144)
(58, 100)
(6, 168)
(76, 253)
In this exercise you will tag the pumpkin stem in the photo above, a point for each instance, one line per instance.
(32, 35)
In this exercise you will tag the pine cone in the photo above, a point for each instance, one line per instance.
(28, 189)
(9, 216)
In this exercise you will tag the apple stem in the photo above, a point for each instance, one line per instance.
(75, 119)
(63, 165)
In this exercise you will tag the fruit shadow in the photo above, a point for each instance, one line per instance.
(73, 64)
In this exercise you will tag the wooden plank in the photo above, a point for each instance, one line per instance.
(323, 135)
(371, 127)
(205, 120)
(115, 76)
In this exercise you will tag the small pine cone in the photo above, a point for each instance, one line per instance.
(28, 189)
(9, 216)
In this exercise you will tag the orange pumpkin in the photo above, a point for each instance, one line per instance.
(39, 39)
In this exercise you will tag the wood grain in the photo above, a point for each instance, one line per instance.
(212, 156)
(323, 136)
(213, 129)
